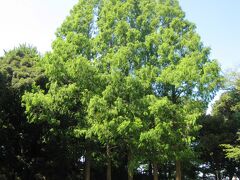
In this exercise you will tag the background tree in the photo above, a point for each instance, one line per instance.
(229, 107)
(220, 128)
(232, 151)
(19, 140)
(214, 132)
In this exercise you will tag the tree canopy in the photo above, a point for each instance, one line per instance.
(119, 96)
(18, 72)
(128, 74)
(230, 108)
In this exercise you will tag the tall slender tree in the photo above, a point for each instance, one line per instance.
(72, 81)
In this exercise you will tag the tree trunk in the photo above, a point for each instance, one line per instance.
(109, 170)
(130, 174)
(109, 164)
(169, 171)
(217, 175)
(130, 170)
(150, 169)
(178, 170)
(87, 167)
(165, 171)
(155, 171)
(203, 176)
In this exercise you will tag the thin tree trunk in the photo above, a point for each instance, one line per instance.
(217, 175)
(109, 170)
(130, 174)
(165, 171)
(87, 167)
(130, 170)
(155, 171)
(169, 171)
(178, 170)
(150, 169)
(203, 176)
(109, 164)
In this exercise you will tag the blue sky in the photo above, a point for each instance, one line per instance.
(35, 21)
(218, 23)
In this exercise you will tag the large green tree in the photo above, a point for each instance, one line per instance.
(123, 75)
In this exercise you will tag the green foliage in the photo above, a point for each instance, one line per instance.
(130, 75)
(17, 67)
(218, 132)
(73, 80)
(18, 72)
(232, 151)
(229, 107)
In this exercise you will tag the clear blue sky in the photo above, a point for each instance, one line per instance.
(35, 21)
(218, 23)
